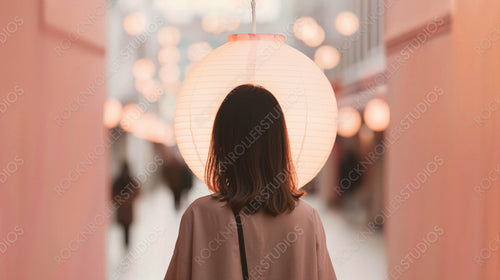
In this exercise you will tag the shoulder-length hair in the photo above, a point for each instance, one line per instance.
(249, 162)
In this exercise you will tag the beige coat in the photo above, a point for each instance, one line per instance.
(289, 246)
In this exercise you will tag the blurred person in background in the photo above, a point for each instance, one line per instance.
(125, 190)
(175, 173)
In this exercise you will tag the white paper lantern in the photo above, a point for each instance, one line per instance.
(301, 88)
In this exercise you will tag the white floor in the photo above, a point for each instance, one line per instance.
(153, 236)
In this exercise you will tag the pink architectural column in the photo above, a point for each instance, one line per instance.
(53, 164)
(441, 226)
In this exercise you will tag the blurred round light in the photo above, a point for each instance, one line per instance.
(172, 87)
(141, 85)
(231, 23)
(152, 91)
(301, 88)
(217, 24)
(349, 121)
(134, 23)
(143, 69)
(112, 113)
(305, 27)
(162, 133)
(169, 55)
(347, 23)
(145, 125)
(151, 128)
(326, 57)
(317, 39)
(377, 114)
(169, 73)
(169, 36)
(169, 138)
(212, 24)
(198, 50)
(131, 114)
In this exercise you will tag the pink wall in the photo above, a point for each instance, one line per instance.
(38, 225)
(411, 14)
(468, 221)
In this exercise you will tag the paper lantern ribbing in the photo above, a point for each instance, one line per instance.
(303, 91)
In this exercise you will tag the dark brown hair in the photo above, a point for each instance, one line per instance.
(249, 163)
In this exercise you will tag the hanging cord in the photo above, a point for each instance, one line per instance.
(254, 23)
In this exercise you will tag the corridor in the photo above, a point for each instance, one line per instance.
(354, 256)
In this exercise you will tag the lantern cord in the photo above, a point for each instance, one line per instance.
(254, 23)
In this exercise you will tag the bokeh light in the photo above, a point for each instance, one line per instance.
(149, 127)
(212, 24)
(326, 57)
(305, 27)
(142, 84)
(198, 50)
(172, 87)
(151, 89)
(112, 113)
(169, 138)
(349, 121)
(377, 114)
(134, 23)
(217, 24)
(169, 36)
(131, 114)
(143, 69)
(231, 23)
(169, 73)
(316, 39)
(145, 126)
(346, 23)
(169, 55)
(309, 31)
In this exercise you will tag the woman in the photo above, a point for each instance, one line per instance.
(254, 226)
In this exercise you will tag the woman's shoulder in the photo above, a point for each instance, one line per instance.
(206, 203)
(210, 204)
(304, 208)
